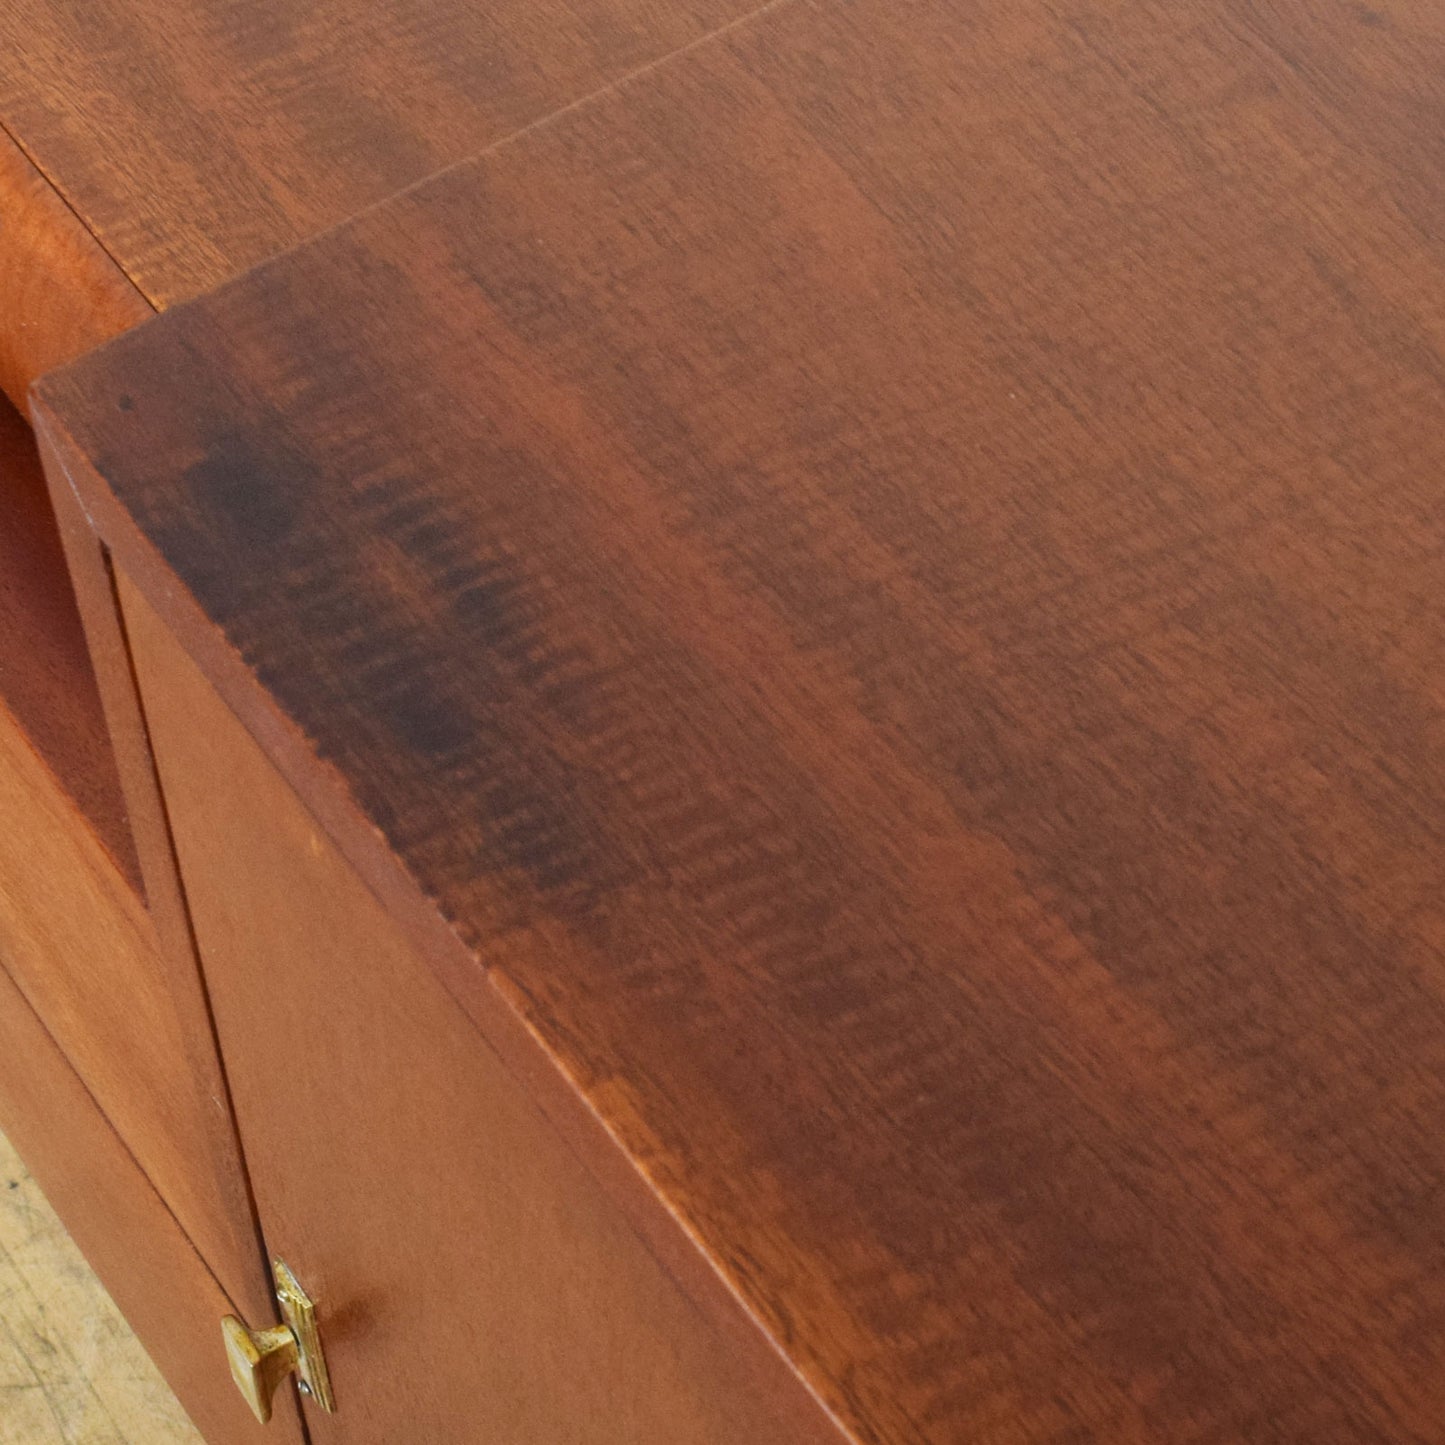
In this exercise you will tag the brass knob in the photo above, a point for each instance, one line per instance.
(261, 1359)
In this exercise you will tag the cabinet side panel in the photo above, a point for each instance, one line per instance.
(217, 1210)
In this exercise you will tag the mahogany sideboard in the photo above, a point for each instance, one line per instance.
(735, 720)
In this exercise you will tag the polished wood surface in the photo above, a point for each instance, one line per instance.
(197, 137)
(884, 576)
(473, 1283)
(60, 294)
(123, 1227)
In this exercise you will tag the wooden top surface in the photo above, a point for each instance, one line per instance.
(886, 576)
(198, 137)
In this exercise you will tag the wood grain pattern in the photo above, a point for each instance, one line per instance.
(885, 578)
(197, 137)
(123, 1228)
(60, 294)
(473, 1282)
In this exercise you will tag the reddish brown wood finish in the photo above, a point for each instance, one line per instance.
(80, 946)
(224, 1228)
(60, 294)
(197, 137)
(123, 1227)
(46, 682)
(129, 1014)
(885, 578)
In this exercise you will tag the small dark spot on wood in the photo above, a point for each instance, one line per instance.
(483, 608)
(428, 722)
(1372, 18)
(126, 402)
(252, 491)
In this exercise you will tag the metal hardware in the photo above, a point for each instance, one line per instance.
(261, 1359)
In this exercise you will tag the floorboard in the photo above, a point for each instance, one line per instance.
(71, 1371)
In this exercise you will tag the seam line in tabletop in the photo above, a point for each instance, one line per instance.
(541, 122)
(7, 132)
(737, 23)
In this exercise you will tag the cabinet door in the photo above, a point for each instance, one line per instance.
(473, 1283)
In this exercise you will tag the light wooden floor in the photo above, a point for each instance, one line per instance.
(71, 1372)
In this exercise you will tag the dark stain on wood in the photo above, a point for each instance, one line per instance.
(231, 493)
